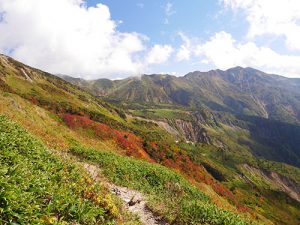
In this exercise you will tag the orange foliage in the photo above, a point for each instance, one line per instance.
(125, 140)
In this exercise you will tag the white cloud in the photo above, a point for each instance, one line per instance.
(184, 51)
(64, 36)
(224, 52)
(159, 54)
(279, 17)
(169, 11)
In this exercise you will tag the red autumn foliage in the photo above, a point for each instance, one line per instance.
(130, 142)
(183, 163)
(75, 121)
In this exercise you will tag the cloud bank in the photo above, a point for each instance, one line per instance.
(280, 18)
(65, 36)
(223, 52)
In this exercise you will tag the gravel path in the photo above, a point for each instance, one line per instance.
(133, 200)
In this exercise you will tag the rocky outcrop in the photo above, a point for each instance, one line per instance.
(282, 183)
(205, 117)
(192, 131)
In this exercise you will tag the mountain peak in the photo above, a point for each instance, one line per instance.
(240, 68)
(236, 68)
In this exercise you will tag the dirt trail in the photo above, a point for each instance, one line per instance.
(133, 200)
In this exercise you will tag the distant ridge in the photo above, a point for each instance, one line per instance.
(238, 90)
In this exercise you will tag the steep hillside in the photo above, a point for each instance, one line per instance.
(65, 117)
(250, 92)
(50, 91)
(238, 90)
(185, 162)
(38, 187)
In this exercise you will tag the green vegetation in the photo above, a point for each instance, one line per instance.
(214, 138)
(170, 194)
(252, 189)
(55, 94)
(39, 188)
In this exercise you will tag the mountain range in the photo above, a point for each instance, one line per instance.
(238, 90)
(217, 147)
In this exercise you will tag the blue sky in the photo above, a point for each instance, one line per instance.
(199, 19)
(109, 38)
(149, 17)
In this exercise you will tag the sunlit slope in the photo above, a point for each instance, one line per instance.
(63, 119)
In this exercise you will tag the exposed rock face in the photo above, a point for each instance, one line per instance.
(193, 131)
(283, 183)
(205, 117)
(162, 124)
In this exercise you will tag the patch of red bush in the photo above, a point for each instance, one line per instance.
(181, 162)
(128, 141)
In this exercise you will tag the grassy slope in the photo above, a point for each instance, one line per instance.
(37, 187)
(63, 193)
(52, 92)
(170, 195)
(40, 102)
(46, 122)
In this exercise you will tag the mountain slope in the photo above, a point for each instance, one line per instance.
(231, 117)
(237, 90)
(204, 160)
(251, 92)
(267, 106)
(65, 117)
(38, 187)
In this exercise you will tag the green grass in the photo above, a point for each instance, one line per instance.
(168, 193)
(38, 188)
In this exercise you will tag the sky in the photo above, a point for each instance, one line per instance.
(114, 39)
